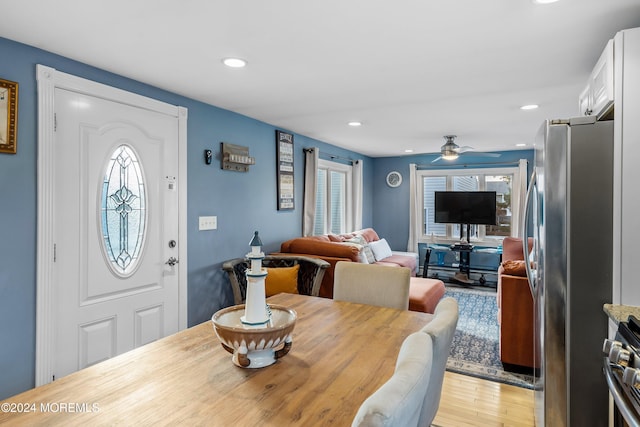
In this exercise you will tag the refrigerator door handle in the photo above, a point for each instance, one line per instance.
(525, 240)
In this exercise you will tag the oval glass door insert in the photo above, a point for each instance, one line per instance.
(123, 206)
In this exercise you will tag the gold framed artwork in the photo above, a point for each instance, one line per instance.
(8, 116)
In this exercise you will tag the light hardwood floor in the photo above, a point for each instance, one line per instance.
(468, 401)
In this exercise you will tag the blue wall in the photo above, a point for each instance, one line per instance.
(391, 205)
(243, 202)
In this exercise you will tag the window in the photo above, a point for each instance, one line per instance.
(333, 198)
(123, 207)
(499, 180)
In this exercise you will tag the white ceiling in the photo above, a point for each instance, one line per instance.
(410, 70)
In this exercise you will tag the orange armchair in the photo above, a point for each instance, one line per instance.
(515, 308)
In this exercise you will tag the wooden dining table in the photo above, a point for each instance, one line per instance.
(341, 353)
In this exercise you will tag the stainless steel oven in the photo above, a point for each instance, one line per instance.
(622, 372)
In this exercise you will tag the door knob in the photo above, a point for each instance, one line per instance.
(172, 261)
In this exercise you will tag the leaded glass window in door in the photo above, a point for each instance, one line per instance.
(123, 207)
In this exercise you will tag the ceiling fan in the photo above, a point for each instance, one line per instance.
(450, 150)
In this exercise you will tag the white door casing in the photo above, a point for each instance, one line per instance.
(105, 311)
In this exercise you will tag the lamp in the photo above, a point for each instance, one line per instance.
(255, 312)
(264, 328)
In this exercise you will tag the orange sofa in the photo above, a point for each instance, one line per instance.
(515, 307)
(332, 249)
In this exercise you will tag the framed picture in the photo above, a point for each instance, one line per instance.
(8, 116)
(284, 167)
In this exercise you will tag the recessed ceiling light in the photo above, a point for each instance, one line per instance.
(521, 145)
(529, 107)
(544, 1)
(234, 62)
(408, 150)
(355, 124)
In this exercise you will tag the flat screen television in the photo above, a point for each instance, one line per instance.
(465, 207)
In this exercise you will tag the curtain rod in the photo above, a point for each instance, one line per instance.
(332, 156)
(464, 165)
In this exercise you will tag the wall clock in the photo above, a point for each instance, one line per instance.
(394, 179)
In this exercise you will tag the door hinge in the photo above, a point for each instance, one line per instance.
(55, 122)
(53, 378)
(54, 252)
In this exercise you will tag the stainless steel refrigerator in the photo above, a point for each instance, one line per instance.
(569, 215)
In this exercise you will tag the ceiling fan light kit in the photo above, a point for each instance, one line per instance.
(449, 150)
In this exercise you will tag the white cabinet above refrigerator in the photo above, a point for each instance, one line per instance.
(596, 99)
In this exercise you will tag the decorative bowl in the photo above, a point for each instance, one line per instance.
(254, 346)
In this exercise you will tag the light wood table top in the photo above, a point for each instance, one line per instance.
(341, 353)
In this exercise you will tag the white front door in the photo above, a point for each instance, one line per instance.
(116, 268)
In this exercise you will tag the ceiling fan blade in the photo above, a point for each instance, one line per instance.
(464, 149)
(436, 159)
(480, 154)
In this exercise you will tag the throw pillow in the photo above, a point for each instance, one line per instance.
(380, 249)
(368, 253)
(282, 280)
(514, 268)
(362, 258)
(369, 234)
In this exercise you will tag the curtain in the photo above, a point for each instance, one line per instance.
(414, 226)
(356, 173)
(311, 157)
(517, 199)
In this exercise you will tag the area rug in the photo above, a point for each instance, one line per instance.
(474, 350)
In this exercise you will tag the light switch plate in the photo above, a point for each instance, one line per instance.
(208, 223)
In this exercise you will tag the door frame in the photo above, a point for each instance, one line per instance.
(48, 79)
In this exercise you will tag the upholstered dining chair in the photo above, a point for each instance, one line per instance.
(441, 330)
(371, 284)
(398, 401)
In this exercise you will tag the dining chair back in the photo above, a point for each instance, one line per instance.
(372, 284)
(398, 401)
(441, 330)
(309, 276)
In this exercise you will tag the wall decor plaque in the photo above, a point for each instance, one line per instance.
(284, 168)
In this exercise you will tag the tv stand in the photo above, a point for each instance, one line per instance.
(481, 267)
(468, 232)
(465, 268)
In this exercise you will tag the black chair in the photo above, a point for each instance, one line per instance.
(309, 276)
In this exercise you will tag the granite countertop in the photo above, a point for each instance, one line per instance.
(619, 313)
